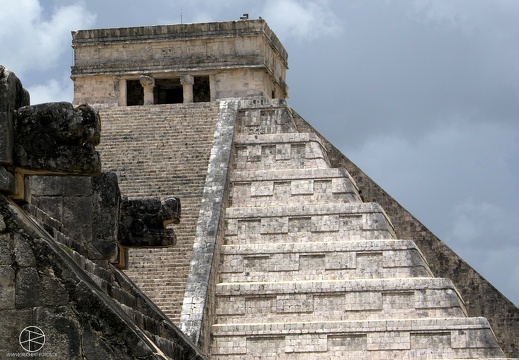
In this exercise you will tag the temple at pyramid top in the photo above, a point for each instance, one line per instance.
(178, 63)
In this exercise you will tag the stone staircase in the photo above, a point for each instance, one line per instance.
(118, 289)
(309, 271)
(157, 151)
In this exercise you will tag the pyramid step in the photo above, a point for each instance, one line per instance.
(280, 151)
(336, 300)
(301, 186)
(354, 340)
(271, 119)
(308, 223)
(322, 261)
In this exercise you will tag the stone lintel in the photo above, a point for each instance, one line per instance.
(184, 32)
(324, 247)
(335, 286)
(164, 68)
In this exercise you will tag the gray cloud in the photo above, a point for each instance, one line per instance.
(423, 95)
(36, 39)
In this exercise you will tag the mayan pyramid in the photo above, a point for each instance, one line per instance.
(286, 249)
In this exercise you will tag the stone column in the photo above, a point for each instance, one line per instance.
(187, 82)
(121, 87)
(148, 83)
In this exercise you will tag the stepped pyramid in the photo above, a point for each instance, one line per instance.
(309, 270)
(286, 250)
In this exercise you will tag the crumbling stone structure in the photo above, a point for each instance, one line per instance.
(178, 64)
(62, 293)
(286, 249)
(289, 251)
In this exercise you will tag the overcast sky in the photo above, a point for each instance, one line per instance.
(423, 95)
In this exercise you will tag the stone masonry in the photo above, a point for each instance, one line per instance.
(173, 62)
(62, 293)
(286, 249)
(309, 270)
(159, 151)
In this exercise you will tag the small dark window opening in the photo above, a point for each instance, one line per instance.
(168, 91)
(134, 93)
(201, 90)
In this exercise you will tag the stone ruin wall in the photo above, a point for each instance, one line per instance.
(68, 284)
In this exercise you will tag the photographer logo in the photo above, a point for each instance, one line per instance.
(32, 339)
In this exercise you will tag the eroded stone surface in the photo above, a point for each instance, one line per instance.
(63, 282)
(57, 138)
(143, 222)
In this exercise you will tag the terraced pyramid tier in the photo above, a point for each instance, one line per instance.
(380, 259)
(452, 338)
(309, 271)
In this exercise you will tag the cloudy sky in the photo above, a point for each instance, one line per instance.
(422, 94)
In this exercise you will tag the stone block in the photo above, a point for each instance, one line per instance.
(28, 288)
(265, 188)
(23, 253)
(473, 339)
(270, 347)
(363, 301)
(306, 343)
(339, 260)
(7, 181)
(294, 303)
(325, 223)
(274, 225)
(13, 322)
(7, 287)
(6, 245)
(439, 341)
(57, 138)
(52, 206)
(63, 333)
(348, 343)
(389, 340)
(77, 186)
(302, 187)
(12, 97)
(46, 185)
(283, 151)
(77, 210)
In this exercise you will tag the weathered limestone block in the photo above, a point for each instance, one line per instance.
(143, 222)
(280, 151)
(57, 138)
(269, 120)
(7, 182)
(85, 208)
(73, 301)
(12, 97)
(97, 222)
(105, 215)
